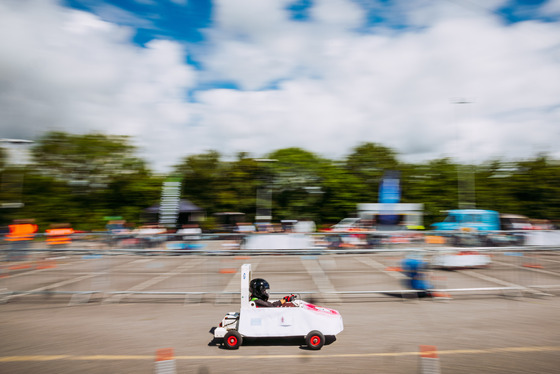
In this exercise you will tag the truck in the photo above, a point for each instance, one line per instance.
(483, 227)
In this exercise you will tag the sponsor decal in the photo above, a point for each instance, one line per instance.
(321, 309)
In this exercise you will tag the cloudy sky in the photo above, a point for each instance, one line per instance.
(468, 79)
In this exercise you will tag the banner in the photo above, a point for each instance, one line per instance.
(389, 193)
(389, 189)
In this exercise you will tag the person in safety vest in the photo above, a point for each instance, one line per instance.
(22, 232)
(258, 289)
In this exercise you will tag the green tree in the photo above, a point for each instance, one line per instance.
(342, 191)
(242, 178)
(535, 185)
(2, 158)
(88, 161)
(493, 187)
(297, 183)
(434, 184)
(203, 180)
(79, 179)
(368, 162)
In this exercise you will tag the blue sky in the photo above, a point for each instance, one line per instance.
(186, 76)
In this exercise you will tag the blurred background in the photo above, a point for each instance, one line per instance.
(89, 180)
(279, 110)
(351, 150)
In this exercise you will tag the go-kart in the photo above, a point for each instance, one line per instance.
(300, 319)
(461, 260)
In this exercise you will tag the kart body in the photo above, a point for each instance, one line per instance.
(301, 319)
(461, 260)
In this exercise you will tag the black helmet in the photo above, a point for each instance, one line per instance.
(258, 287)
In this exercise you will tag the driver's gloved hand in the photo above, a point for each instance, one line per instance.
(290, 298)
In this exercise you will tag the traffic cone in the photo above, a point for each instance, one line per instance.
(165, 361)
(429, 360)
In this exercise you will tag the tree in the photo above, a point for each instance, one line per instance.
(90, 161)
(80, 179)
(242, 177)
(535, 185)
(3, 158)
(368, 162)
(296, 183)
(203, 180)
(342, 191)
(493, 187)
(434, 184)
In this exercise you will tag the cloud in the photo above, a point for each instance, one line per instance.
(334, 86)
(68, 70)
(551, 8)
(327, 83)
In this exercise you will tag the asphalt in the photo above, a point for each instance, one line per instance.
(476, 334)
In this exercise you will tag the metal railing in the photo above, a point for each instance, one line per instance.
(98, 265)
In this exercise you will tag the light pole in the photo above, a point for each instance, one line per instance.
(14, 181)
(466, 196)
(264, 198)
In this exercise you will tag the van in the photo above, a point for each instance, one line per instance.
(469, 219)
(515, 222)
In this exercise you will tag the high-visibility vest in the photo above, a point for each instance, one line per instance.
(59, 236)
(21, 231)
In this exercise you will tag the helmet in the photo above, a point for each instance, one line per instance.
(258, 287)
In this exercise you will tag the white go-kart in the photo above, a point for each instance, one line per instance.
(302, 319)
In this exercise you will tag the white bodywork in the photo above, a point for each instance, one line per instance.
(289, 321)
(537, 237)
(278, 322)
(278, 241)
(460, 260)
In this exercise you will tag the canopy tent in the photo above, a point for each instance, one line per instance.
(188, 213)
(185, 206)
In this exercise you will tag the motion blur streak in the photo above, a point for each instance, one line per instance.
(322, 356)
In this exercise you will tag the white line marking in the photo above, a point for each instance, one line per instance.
(379, 266)
(498, 281)
(528, 268)
(320, 279)
(150, 282)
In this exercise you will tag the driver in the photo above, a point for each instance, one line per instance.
(259, 295)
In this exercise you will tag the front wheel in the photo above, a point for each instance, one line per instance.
(233, 339)
(315, 340)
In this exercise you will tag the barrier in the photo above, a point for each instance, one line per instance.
(92, 270)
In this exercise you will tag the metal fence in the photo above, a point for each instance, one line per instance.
(116, 268)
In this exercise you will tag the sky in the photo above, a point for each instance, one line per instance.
(472, 80)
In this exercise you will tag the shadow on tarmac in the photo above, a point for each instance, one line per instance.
(409, 295)
(284, 341)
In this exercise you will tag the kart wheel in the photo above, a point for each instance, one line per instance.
(233, 339)
(315, 340)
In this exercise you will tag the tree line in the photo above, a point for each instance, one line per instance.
(84, 179)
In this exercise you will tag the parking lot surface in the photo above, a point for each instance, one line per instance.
(491, 336)
(489, 332)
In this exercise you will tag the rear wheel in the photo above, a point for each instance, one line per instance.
(315, 340)
(233, 339)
